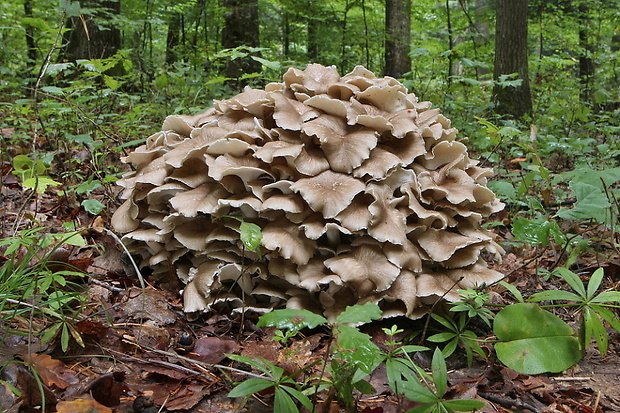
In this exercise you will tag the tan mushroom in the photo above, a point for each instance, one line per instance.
(362, 193)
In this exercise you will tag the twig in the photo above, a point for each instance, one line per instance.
(506, 402)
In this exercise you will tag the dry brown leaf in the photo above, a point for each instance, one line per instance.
(52, 372)
(82, 406)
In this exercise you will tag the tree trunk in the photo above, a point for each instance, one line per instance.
(240, 29)
(586, 62)
(92, 36)
(397, 37)
(173, 37)
(312, 43)
(511, 57)
(30, 42)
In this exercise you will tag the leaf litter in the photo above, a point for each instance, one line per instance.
(134, 359)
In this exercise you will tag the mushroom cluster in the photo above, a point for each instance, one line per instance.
(362, 193)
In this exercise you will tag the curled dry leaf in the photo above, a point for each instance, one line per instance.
(362, 192)
(51, 371)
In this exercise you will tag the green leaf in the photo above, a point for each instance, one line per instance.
(355, 347)
(594, 327)
(39, 183)
(441, 337)
(93, 206)
(251, 235)
(595, 282)
(50, 333)
(536, 231)
(250, 386)
(52, 90)
(364, 387)
(283, 402)
(359, 314)
(463, 405)
(64, 337)
(299, 396)
(608, 316)
(533, 340)
(440, 372)
(513, 290)
(592, 203)
(573, 280)
(291, 319)
(607, 297)
(549, 295)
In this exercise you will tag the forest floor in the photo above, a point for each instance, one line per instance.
(142, 355)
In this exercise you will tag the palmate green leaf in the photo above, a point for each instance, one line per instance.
(463, 405)
(607, 315)
(273, 371)
(595, 282)
(593, 326)
(291, 319)
(250, 386)
(302, 398)
(283, 402)
(441, 337)
(607, 297)
(440, 372)
(551, 295)
(573, 280)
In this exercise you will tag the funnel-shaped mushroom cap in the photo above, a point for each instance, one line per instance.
(360, 194)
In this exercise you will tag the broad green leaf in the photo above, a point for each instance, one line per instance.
(51, 332)
(536, 231)
(39, 183)
(359, 314)
(592, 203)
(93, 206)
(533, 340)
(415, 391)
(52, 90)
(356, 347)
(251, 235)
(250, 386)
(291, 319)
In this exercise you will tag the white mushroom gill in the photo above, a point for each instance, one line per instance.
(363, 194)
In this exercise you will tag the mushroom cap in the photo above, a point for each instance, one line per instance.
(361, 193)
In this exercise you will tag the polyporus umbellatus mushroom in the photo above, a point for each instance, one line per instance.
(363, 194)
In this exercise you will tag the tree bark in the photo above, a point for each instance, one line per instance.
(92, 36)
(586, 62)
(240, 29)
(30, 42)
(511, 57)
(173, 37)
(397, 37)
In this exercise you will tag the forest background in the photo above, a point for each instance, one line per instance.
(531, 85)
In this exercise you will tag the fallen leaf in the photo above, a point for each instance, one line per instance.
(51, 371)
(212, 349)
(82, 406)
(109, 388)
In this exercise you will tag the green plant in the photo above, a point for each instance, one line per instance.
(429, 390)
(33, 172)
(352, 356)
(457, 334)
(30, 283)
(286, 389)
(594, 308)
